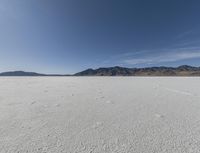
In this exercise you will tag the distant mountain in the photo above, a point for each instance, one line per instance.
(20, 73)
(183, 70)
(23, 73)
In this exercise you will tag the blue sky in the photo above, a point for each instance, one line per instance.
(67, 36)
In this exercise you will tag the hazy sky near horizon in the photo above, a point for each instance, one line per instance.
(67, 36)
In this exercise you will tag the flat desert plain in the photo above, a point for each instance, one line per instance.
(99, 114)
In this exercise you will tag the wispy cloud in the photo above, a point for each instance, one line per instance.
(118, 59)
(166, 56)
(184, 34)
(188, 43)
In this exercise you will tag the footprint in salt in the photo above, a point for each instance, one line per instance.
(59, 143)
(33, 102)
(159, 116)
(109, 102)
(97, 125)
(98, 98)
(82, 147)
(57, 105)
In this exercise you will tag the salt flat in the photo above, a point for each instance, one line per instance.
(99, 114)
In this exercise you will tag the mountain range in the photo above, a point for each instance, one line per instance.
(184, 70)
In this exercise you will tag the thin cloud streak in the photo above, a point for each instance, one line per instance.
(165, 57)
(184, 34)
(112, 59)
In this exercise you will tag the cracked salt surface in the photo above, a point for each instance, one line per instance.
(99, 114)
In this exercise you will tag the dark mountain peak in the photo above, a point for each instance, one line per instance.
(186, 68)
(87, 72)
(119, 67)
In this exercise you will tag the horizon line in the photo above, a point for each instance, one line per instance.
(65, 74)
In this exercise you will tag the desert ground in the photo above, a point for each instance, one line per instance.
(99, 115)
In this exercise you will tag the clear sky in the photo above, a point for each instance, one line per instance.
(67, 36)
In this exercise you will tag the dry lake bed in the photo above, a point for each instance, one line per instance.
(99, 115)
